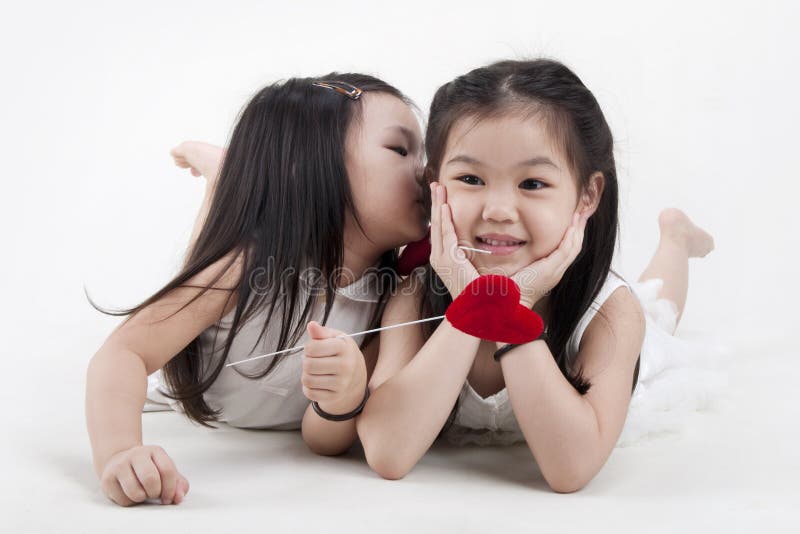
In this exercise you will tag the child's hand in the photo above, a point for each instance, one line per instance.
(202, 159)
(449, 261)
(334, 371)
(541, 276)
(143, 472)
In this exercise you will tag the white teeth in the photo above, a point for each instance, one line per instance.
(496, 243)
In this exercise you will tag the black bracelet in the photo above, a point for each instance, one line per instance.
(505, 348)
(344, 416)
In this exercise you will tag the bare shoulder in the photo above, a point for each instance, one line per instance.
(160, 330)
(618, 326)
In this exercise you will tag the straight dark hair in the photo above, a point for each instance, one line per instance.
(279, 208)
(574, 119)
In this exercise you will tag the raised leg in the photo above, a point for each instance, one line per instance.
(680, 240)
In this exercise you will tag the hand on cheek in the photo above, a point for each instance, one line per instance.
(542, 275)
(449, 261)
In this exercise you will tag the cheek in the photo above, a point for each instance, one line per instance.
(385, 192)
(546, 230)
(466, 213)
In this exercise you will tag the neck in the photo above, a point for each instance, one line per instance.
(359, 255)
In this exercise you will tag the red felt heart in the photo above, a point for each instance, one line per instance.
(489, 308)
(415, 254)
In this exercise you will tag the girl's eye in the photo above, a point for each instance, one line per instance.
(470, 179)
(400, 150)
(532, 184)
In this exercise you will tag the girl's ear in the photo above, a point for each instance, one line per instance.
(590, 198)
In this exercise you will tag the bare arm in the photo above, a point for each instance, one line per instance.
(331, 438)
(414, 388)
(572, 436)
(117, 374)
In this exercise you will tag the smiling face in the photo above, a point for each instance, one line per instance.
(384, 163)
(510, 189)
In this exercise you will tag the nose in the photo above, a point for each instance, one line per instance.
(500, 207)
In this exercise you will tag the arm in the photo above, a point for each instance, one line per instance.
(117, 374)
(331, 438)
(571, 436)
(414, 387)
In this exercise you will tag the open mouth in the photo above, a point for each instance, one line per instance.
(499, 247)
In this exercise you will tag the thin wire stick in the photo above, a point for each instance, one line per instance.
(340, 336)
(476, 250)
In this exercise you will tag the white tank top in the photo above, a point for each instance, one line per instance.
(275, 401)
(491, 419)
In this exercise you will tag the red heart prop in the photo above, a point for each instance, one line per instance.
(489, 308)
(415, 254)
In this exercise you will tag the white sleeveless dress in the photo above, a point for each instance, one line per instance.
(676, 376)
(275, 401)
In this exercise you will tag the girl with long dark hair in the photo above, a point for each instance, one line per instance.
(521, 166)
(318, 189)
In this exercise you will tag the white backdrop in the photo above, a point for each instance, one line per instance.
(702, 98)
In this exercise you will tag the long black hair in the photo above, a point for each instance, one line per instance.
(574, 118)
(279, 207)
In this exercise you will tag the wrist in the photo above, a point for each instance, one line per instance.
(343, 416)
(504, 348)
(347, 402)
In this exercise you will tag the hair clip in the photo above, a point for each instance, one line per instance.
(353, 92)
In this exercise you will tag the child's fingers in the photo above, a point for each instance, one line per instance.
(115, 492)
(580, 234)
(559, 255)
(317, 331)
(181, 490)
(571, 245)
(436, 229)
(320, 348)
(148, 474)
(324, 382)
(322, 366)
(130, 484)
(449, 237)
(169, 475)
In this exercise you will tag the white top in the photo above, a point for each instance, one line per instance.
(275, 401)
(493, 416)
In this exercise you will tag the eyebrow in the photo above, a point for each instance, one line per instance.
(532, 162)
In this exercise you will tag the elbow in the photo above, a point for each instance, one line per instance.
(385, 461)
(567, 486)
(325, 449)
(569, 481)
(387, 467)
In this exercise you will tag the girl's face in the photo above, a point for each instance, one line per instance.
(510, 190)
(384, 162)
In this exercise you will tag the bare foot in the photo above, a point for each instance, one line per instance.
(678, 227)
(202, 158)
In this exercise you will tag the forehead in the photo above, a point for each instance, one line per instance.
(380, 111)
(504, 139)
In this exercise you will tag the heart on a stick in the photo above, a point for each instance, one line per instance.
(488, 308)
